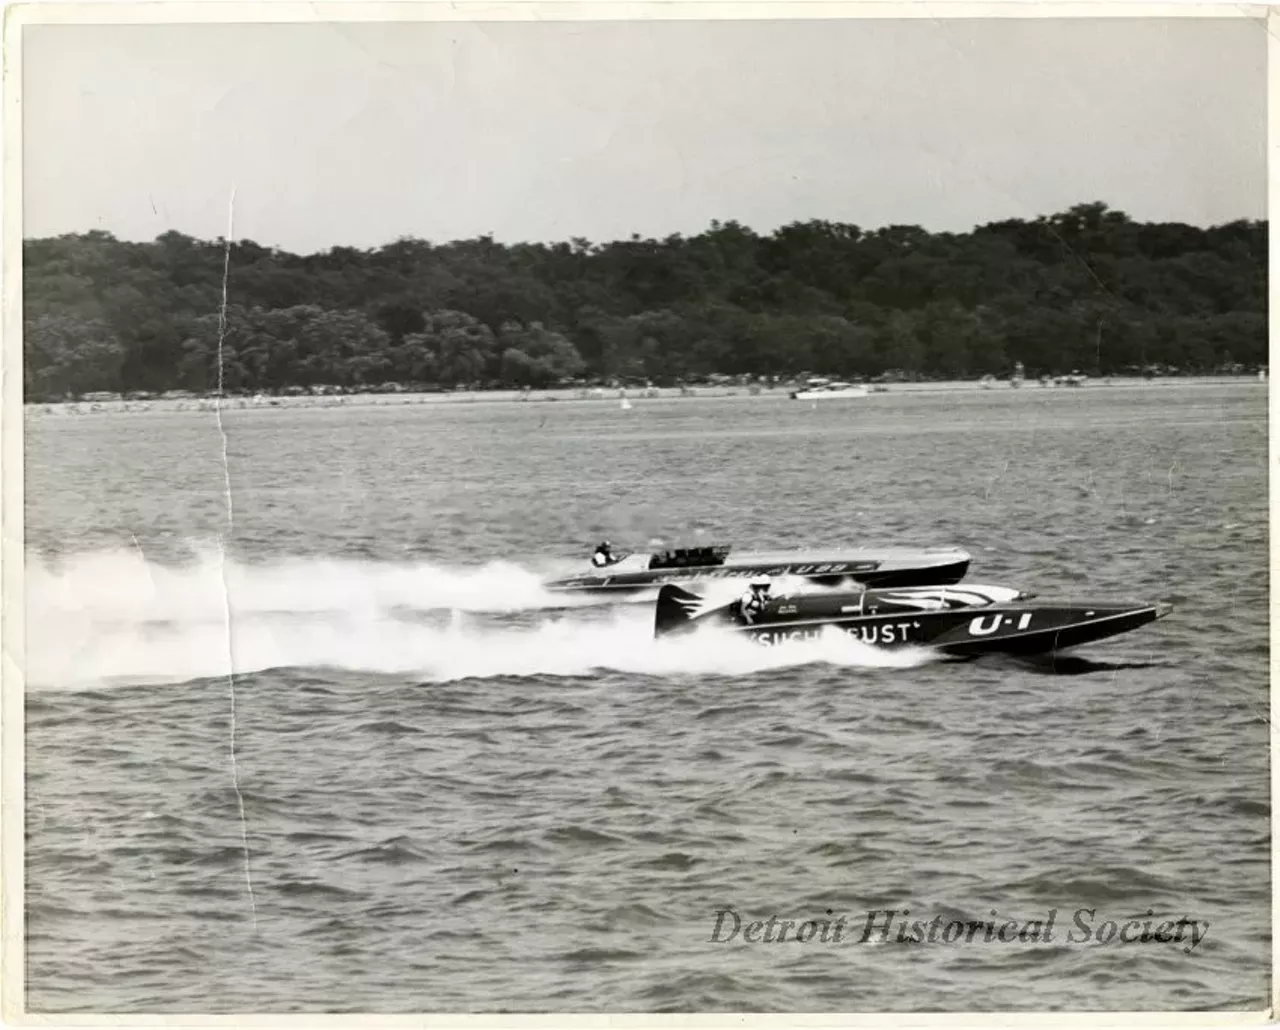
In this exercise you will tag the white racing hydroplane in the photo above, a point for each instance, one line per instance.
(696, 565)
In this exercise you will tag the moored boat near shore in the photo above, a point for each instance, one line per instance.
(826, 389)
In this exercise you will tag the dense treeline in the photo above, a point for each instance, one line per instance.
(1087, 289)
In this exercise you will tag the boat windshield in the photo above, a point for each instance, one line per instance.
(689, 557)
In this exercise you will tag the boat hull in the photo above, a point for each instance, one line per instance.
(872, 569)
(1018, 627)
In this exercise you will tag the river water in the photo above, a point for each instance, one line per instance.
(423, 787)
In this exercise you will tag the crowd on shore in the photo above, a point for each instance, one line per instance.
(177, 401)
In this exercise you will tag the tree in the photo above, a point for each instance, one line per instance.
(65, 356)
(1084, 288)
(453, 349)
(534, 356)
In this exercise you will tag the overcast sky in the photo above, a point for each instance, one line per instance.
(358, 134)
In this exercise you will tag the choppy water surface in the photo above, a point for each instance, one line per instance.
(456, 796)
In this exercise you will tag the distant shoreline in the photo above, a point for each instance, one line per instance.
(606, 396)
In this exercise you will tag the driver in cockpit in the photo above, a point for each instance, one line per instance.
(753, 602)
(603, 556)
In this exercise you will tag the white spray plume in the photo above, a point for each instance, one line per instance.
(114, 617)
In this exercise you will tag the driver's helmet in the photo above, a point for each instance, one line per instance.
(761, 582)
(604, 546)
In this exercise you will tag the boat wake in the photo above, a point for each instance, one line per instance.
(125, 583)
(113, 618)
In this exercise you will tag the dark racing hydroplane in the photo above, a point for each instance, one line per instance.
(879, 567)
(963, 620)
